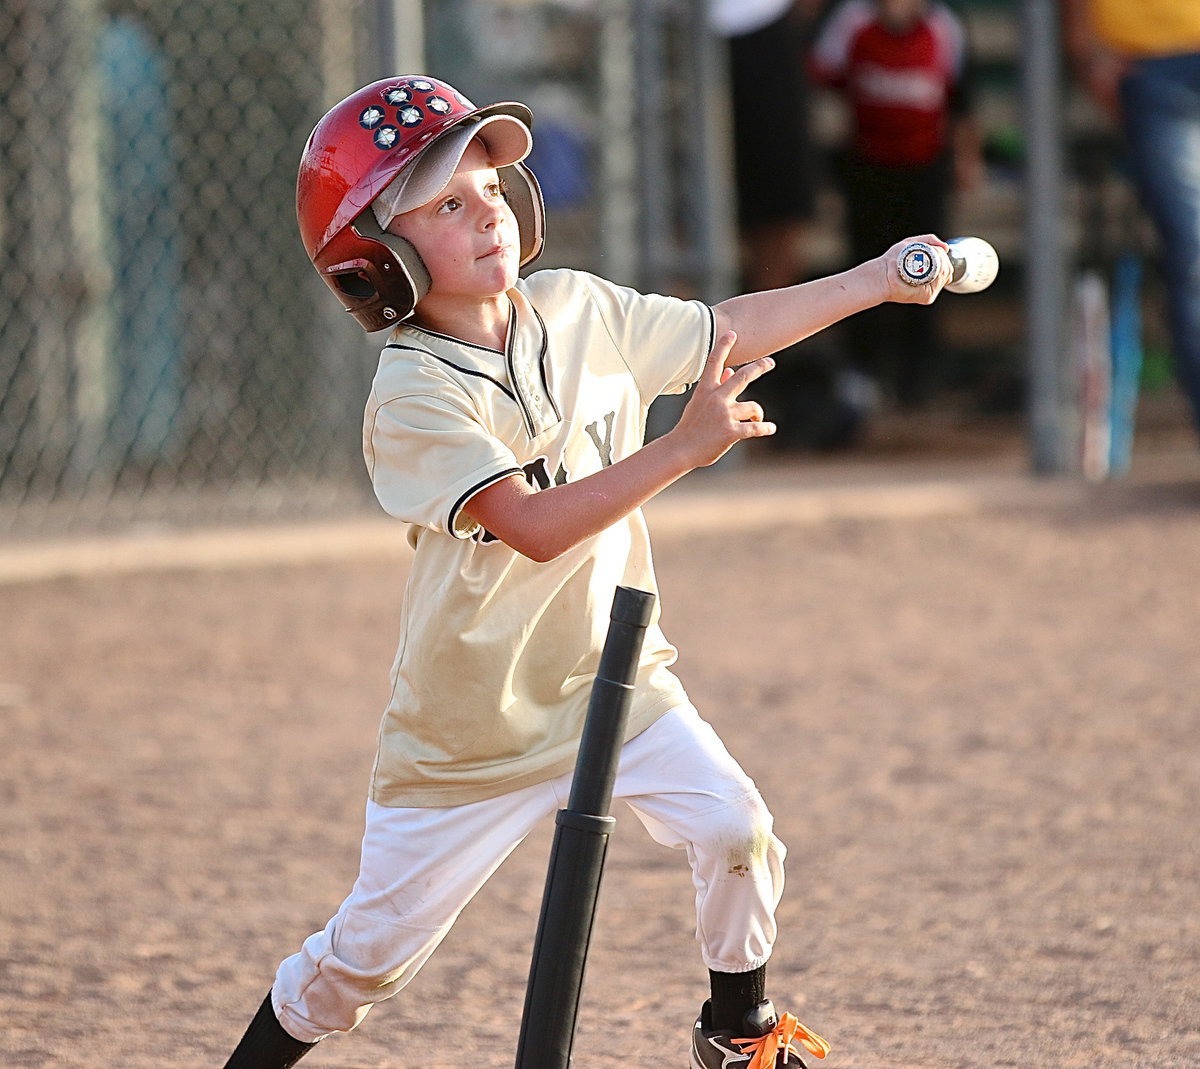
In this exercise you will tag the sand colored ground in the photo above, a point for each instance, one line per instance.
(971, 699)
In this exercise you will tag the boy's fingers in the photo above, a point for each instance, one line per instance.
(757, 429)
(715, 365)
(747, 373)
(748, 412)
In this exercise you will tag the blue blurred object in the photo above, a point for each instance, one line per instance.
(1126, 346)
(144, 228)
(561, 161)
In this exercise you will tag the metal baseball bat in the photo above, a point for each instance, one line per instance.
(581, 834)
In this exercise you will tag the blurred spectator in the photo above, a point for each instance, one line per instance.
(1141, 62)
(776, 177)
(901, 66)
(773, 158)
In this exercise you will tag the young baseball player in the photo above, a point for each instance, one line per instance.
(505, 427)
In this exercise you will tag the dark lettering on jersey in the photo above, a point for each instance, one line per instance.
(537, 474)
(603, 445)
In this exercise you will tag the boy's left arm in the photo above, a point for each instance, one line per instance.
(770, 320)
(542, 524)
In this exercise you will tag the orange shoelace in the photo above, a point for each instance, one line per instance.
(765, 1048)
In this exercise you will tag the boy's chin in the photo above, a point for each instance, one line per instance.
(505, 275)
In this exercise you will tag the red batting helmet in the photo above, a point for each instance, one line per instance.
(357, 150)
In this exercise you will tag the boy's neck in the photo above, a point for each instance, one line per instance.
(478, 322)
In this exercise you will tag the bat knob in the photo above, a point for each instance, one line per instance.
(973, 263)
(917, 263)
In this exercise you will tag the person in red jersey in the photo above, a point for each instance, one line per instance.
(902, 68)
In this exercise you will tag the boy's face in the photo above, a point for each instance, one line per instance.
(901, 15)
(467, 235)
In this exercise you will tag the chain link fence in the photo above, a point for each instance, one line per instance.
(167, 354)
(163, 350)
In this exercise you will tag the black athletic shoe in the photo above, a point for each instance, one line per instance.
(765, 1041)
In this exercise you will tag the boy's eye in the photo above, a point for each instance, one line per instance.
(450, 204)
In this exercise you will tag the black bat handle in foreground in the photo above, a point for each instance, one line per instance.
(580, 844)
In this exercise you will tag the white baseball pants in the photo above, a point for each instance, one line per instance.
(420, 867)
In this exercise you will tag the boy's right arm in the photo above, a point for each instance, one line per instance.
(542, 524)
(770, 320)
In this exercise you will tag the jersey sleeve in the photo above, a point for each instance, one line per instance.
(664, 341)
(428, 453)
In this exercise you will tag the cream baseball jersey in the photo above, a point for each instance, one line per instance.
(497, 652)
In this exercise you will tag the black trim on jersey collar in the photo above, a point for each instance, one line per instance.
(464, 370)
(457, 341)
(531, 418)
(526, 404)
(543, 362)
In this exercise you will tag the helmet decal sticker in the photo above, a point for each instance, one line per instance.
(386, 136)
(440, 101)
(371, 117)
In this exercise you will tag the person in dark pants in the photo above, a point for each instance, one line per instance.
(1141, 63)
(772, 143)
(902, 66)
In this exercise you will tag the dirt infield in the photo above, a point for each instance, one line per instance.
(976, 720)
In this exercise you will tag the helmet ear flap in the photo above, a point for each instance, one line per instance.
(524, 196)
(382, 280)
(414, 281)
(416, 274)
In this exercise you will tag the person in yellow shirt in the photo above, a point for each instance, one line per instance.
(1140, 59)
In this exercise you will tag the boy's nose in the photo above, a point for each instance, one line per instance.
(490, 214)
